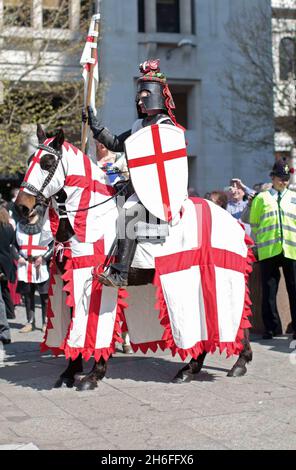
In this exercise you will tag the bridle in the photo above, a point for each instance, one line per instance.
(39, 192)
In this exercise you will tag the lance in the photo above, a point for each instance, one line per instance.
(89, 66)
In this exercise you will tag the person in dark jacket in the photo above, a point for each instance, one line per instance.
(5, 337)
(7, 266)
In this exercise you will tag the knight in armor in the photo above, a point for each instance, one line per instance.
(155, 106)
(35, 245)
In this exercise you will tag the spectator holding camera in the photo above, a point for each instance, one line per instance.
(239, 194)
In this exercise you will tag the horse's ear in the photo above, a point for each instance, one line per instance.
(40, 134)
(58, 140)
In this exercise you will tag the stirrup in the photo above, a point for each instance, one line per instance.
(112, 279)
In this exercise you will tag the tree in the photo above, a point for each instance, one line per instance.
(254, 92)
(32, 94)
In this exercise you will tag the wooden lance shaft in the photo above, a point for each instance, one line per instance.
(89, 88)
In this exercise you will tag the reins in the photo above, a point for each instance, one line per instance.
(64, 211)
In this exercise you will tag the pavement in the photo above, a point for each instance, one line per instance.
(136, 406)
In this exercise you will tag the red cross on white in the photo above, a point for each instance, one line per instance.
(159, 158)
(89, 185)
(211, 300)
(29, 249)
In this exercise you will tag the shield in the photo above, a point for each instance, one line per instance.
(157, 160)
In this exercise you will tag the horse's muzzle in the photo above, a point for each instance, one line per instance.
(22, 211)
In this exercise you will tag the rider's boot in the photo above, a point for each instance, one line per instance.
(117, 274)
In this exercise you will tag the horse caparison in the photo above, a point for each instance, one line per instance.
(25, 203)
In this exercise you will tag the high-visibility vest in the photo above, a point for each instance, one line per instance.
(273, 223)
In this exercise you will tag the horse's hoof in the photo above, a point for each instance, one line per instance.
(64, 381)
(237, 371)
(86, 384)
(183, 377)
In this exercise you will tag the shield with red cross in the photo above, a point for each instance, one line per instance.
(157, 160)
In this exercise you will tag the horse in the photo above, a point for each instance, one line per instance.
(83, 213)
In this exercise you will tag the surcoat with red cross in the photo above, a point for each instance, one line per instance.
(30, 247)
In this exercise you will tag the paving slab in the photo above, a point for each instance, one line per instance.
(29, 446)
(137, 407)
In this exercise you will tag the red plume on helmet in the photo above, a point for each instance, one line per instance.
(151, 65)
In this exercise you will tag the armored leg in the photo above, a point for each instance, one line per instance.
(117, 274)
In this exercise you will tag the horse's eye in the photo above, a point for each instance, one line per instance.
(47, 161)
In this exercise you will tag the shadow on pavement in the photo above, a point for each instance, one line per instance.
(282, 343)
(39, 372)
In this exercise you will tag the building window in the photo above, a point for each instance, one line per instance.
(287, 58)
(193, 28)
(17, 12)
(87, 9)
(168, 16)
(181, 101)
(141, 16)
(55, 14)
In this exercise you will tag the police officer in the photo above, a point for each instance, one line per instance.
(273, 221)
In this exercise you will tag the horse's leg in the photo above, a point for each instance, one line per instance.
(188, 373)
(68, 376)
(239, 368)
(90, 381)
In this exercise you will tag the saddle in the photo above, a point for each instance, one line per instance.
(151, 232)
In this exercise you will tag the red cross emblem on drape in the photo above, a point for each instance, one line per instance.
(206, 257)
(159, 158)
(30, 247)
(88, 185)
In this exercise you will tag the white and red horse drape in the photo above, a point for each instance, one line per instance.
(200, 283)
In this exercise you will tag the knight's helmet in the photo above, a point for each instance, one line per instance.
(153, 81)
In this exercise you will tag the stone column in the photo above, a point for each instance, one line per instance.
(1, 14)
(185, 17)
(150, 26)
(150, 16)
(98, 6)
(74, 15)
(37, 14)
(1, 93)
(1, 22)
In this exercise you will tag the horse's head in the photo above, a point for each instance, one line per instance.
(45, 175)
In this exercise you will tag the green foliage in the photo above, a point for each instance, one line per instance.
(52, 105)
(24, 102)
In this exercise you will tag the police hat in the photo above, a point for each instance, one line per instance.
(281, 170)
